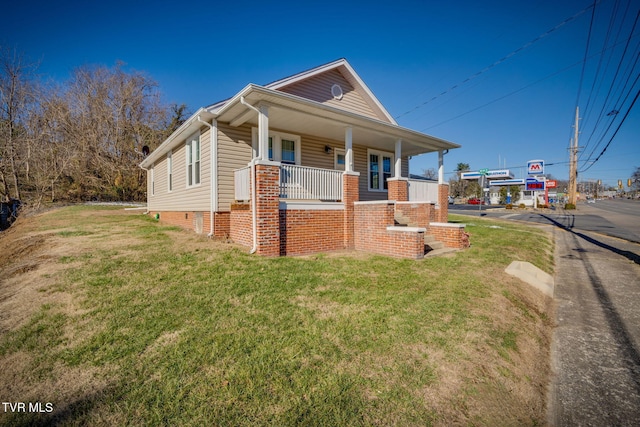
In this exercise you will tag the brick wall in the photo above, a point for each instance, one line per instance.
(309, 231)
(452, 235)
(221, 224)
(267, 209)
(374, 232)
(350, 195)
(241, 229)
(420, 214)
(398, 189)
(442, 215)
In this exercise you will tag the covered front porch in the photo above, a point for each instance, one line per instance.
(296, 201)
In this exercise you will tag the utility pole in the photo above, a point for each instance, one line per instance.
(573, 164)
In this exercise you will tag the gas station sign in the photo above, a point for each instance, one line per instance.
(532, 184)
(535, 167)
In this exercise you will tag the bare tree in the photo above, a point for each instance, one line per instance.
(112, 115)
(17, 98)
(430, 173)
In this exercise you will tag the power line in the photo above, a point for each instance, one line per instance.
(586, 52)
(615, 133)
(631, 66)
(562, 70)
(501, 60)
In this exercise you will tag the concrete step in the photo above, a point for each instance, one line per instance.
(401, 220)
(439, 252)
(432, 243)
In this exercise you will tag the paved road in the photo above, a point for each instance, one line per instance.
(617, 218)
(595, 352)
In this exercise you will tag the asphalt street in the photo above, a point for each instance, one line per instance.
(595, 354)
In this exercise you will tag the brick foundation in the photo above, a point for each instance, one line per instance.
(221, 224)
(191, 220)
(240, 229)
(197, 221)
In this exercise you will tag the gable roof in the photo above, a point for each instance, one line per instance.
(349, 74)
(289, 110)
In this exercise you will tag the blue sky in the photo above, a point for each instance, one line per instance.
(433, 55)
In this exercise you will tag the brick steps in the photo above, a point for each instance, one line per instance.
(430, 242)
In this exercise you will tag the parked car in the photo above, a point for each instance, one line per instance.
(475, 201)
(450, 200)
(591, 200)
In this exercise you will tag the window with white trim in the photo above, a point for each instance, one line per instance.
(193, 160)
(169, 171)
(153, 181)
(380, 168)
(283, 147)
(339, 159)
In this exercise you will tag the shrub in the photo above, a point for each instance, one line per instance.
(569, 206)
(521, 206)
(509, 206)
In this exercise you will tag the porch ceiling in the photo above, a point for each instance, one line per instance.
(290, 113)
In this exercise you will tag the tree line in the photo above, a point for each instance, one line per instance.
(81, 139)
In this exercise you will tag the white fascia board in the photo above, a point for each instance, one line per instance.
(221, 107)
(305, 74)
(349, 118)
(369, 93)
(174, 139)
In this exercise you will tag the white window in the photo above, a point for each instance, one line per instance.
(153, 182)
(283, 147)
(169, 171)
(339, 159)
(193, 160)
(380, 168)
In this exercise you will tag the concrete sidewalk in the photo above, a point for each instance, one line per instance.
(596, 344)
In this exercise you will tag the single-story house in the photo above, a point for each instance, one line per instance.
(309, 163)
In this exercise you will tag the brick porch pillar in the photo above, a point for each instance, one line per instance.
(398, 189)
(350, 194)
(268, 208)
(442, 214)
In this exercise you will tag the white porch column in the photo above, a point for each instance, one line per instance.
(398, 166)
(440, 167)
(348, 149)
(263, 132)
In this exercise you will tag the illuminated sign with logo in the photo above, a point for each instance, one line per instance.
(535, 167)
(491, 174)
(533, 184)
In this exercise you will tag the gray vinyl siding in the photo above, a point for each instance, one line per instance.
(181, 198)
(318, 88)
(361, 165)
(234, 152)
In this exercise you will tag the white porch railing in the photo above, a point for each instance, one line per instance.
(423, 191)
(242, 183)
(301, 182)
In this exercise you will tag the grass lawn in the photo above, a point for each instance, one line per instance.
(116, 319)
